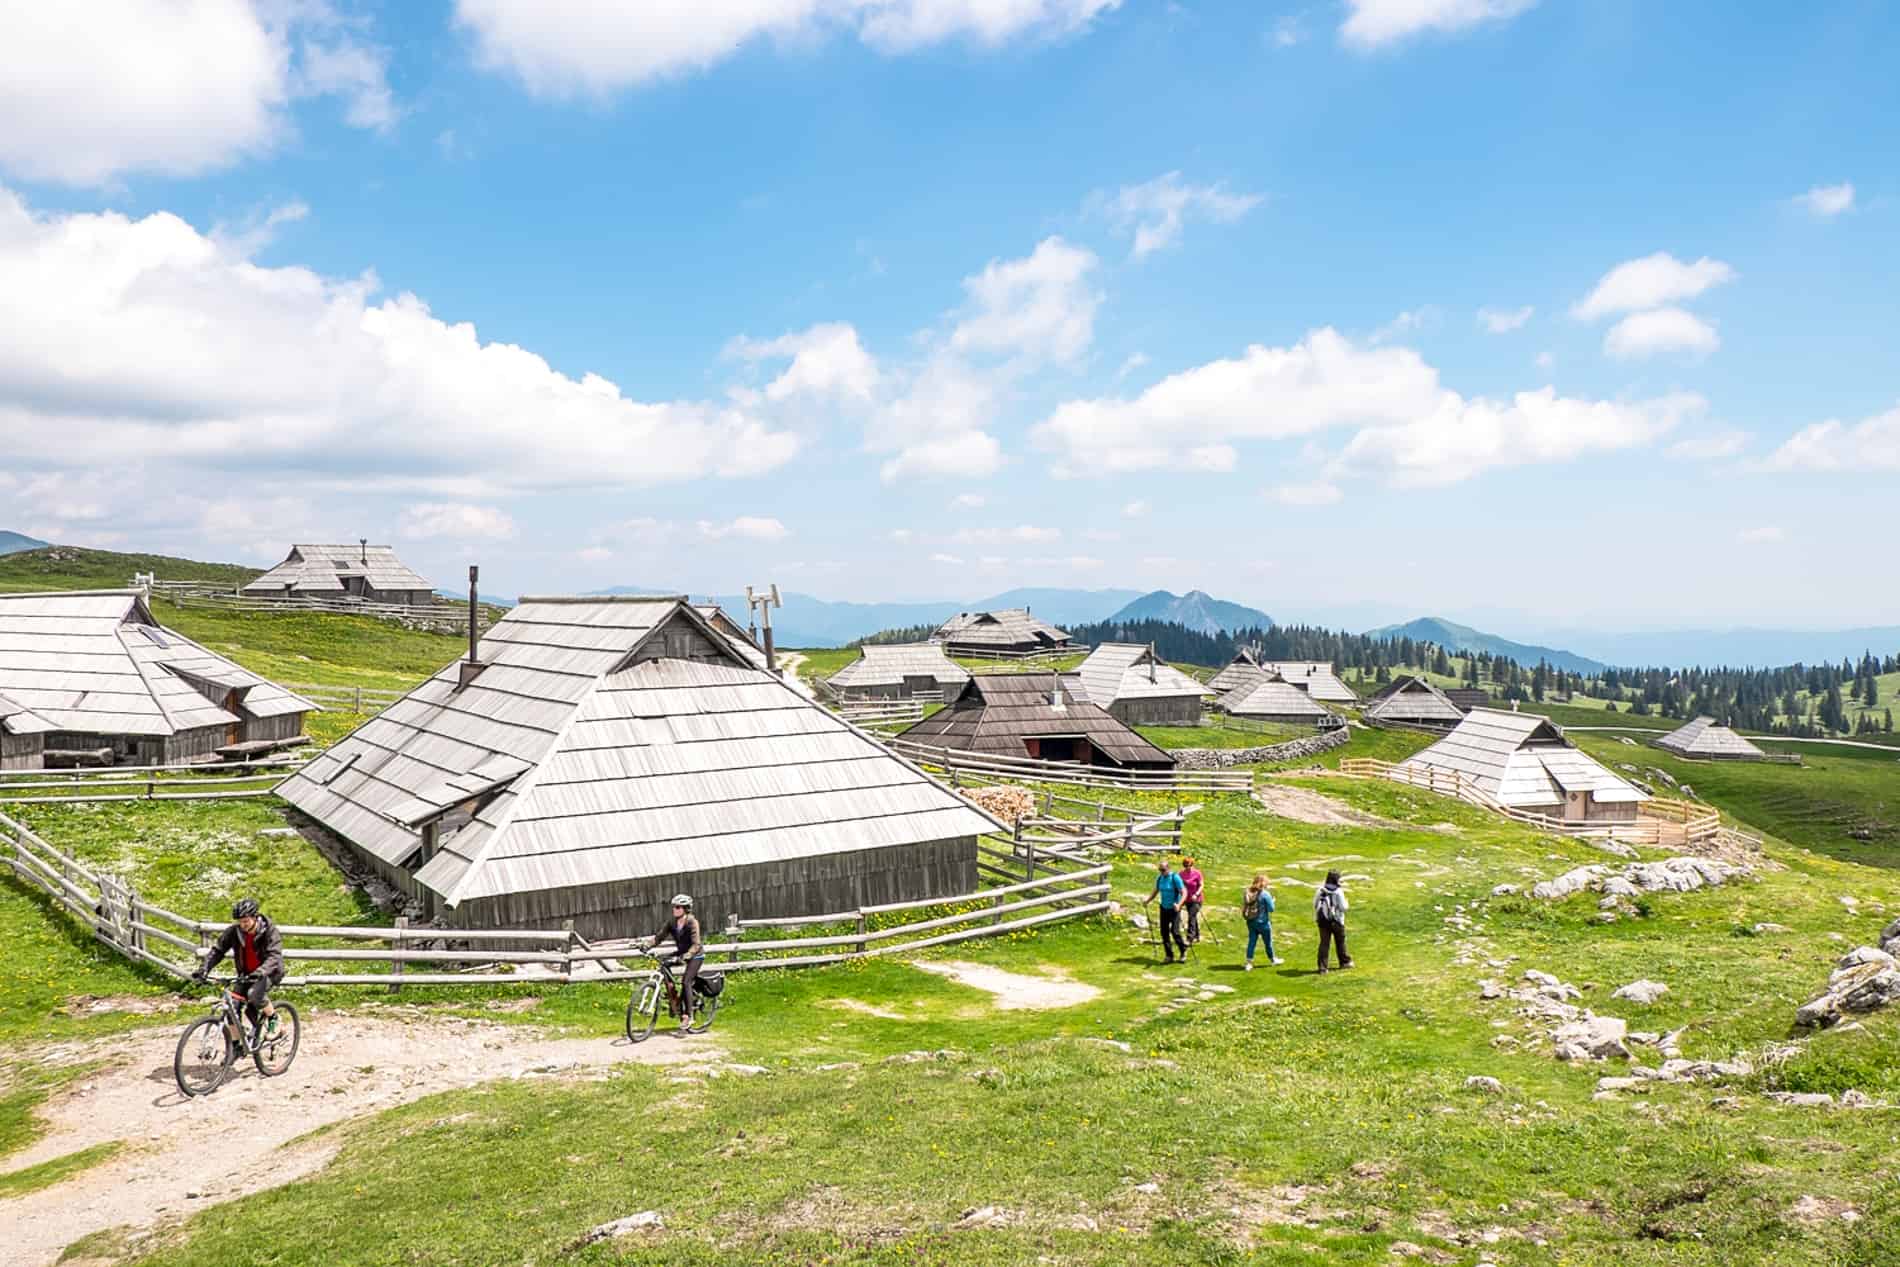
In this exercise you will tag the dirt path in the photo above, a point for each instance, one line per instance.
(1303, 805)
(348, 1066)
(788, 662)
(1012, 990)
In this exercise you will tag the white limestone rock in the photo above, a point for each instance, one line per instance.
(1644, 991)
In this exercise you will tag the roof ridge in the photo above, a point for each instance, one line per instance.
(603, 598)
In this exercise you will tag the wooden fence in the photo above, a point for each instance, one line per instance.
(361, 700)
(894, 714)
(445, 615)
(991, 767)
(1054, 885)
(227, 781)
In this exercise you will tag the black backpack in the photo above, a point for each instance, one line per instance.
(710, 983)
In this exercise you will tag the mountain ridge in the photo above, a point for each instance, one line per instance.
(1462, 638)
(17, 542)
(1196, 610)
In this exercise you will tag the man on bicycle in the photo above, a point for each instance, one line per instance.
(681, 931)
(257, 948)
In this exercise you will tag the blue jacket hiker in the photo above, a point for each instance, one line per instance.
(1172, 892)
(1256, 907)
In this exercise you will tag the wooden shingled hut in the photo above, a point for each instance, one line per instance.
(371, 573)
(1012, 631)
(1243, 668)
(1704, 740)
(22, 736)
(116, 686)
(1265, 696)
(594, 756)
(737, 634)
(1137, 688)
(1045, 716)
(900, 670)
(1524, 762)
(1410, 700)
(1315, 677)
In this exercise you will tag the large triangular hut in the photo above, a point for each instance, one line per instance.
(115, 686)
(1044, 716)
(371, 573)
(1265, 696)
(22, 737)
(1132, 684)
(1524, 762)
(900, 670)
(1243, 668)
(1010, 632)
(1315, 677)
(1414, 701)
(1704, 740)
(593, 756)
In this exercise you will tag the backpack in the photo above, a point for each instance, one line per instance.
(1250, 908)
(710, 983)
(1329, 907)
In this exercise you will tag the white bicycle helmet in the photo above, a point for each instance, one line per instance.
(683, 899)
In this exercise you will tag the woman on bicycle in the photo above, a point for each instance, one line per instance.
(682, 931)
(257, 948)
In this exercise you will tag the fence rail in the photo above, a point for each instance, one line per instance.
(443, 616)
(361, 700)
(1054, 885)
(224, 781)
(893, 713)
(988, 766)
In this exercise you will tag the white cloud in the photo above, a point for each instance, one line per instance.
(1412, 430)
(1322, 493)
(968, 501)
(153, 343)
(89, 93)
(744, 528)
(1025, 534)
(1651, 282)
(950, 559)
(903, 536)
(827, 360)
(564, 48)
(1374, 24)
(1827, 201)
(458, 520)
(1286, 31)
(964, 454)
(1410, 322)
(1545, 360)
(1872, 445)
(1032, 309)
(1711, 447)
(593, 554)
(1504, 320)
(1156, 211)
(1135, 509)
(1129, 366)
(1660, 330)
(1763, 535)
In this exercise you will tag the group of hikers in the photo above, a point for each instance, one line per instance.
(1182, 893)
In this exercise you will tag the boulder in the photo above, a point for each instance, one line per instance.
(1890, 939)
(1865, 954)
(1641, 991)
(1484, 1085)
(1591, 1038)
(1861, 987)
(1569, 882)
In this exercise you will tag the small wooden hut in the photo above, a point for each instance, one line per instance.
(1413, 701)
(117, 686)
(900, 670)
(1266, 697)
(1703, 740)
(1137, 688)
(1315, 677)
(594, 756)
(1524, 762)
(1243, 668)
(371, 573)
(22, 737)
(1012, 631)
(1041, 715)
(736, 634)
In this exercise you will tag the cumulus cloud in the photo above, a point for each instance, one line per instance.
(1410, 428)
(950, 559)
(1024, 534)
(968, 501)
(1156, 211)
(1504, 320)
(1037, 308)
(564, 48)
(1824, 202)
(457, 520)
(1322, 493)
(149, 343)
(827, 360)
(1651, 282)
(1660, 330)
(744, 528)
(1135, 509)
(1372, 24)
(1711, 447)
(1871, 445)
(89, 93)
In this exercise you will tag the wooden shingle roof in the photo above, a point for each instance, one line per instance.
(1117, 671)
(322, 569)
(1416, 701)
(1268, 696)
(890, 663)
(1003, 630)
(1315, 677)
(1237, 671)
(996, 712)
(1522, 760)
(1703, 738)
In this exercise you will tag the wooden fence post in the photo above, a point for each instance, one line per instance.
(862, 921)
(735, 932)
(359, 701)
(997, 903)
(567, 952)
(395, 944)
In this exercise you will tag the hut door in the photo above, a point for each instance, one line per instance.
(232, 707)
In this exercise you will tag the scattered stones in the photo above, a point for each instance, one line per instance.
(1484, 1085)
(1618, 1084)
(985, 1216)
(1644, 991)
(646, 1220)
(1292, 750)
(1802, 1099)
(1764, 929)
(1890, 939)
(1812, 1211)
(1591, 1038)
(1669, 875)
(1504, 890)
(1490, 990)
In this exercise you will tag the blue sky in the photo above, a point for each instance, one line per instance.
(1539, 313)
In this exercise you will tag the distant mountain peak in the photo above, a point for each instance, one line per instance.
(1457, 639)
(1196, 610)
(16, 542)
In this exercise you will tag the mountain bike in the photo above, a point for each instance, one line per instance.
(662, 985)
(210, 1046)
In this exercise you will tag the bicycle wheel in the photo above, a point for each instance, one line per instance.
(643, 1012)
(273, 1056)
(204, 1056)
(705, 1008)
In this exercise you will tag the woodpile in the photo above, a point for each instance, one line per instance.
(1010, 804)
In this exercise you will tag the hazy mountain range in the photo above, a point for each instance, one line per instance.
(14, 542)
(1459, 638)
(1196, 610)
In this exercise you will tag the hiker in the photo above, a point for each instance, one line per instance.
(1171, 891)
(1329, 911)
(1256, 907)
(1191, 883)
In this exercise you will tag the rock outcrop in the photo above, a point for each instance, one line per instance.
(1669, 875)
(1291, 750)
(1865, 980)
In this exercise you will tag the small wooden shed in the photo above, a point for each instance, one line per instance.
(1704, 740)
(1414, 701)
(372, 573)
(1137, 688)
(1012, 631)
(598, 755)
(1524, 762)
(899, 670)
(1316, 677)
(22, 736)
(111, 680)
(1241, 669)
(1266, 697)
(1041, 715)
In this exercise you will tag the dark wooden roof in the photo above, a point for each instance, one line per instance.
(995, 712)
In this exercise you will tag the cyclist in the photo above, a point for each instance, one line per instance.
(257, 948)
(682, 931)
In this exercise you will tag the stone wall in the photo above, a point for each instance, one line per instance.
(1292, 750)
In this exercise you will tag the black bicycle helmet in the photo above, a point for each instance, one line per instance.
(244, 906)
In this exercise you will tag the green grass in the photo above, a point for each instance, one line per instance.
(75, 568)
(18, 1183)
(318, 648)
(1218, 734)
(1350, 1086)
